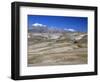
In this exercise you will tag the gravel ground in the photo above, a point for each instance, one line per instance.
(56, 53)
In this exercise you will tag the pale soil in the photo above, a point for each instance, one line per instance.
(56, 53)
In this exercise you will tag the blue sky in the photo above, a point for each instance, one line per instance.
(62, 22)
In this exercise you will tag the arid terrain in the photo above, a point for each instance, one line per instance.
(57, 48)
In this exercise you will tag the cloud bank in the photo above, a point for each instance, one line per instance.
(38, 24)
(70, 29)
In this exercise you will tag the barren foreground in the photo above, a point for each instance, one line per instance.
(52, 52)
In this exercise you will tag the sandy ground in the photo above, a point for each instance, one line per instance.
(56, 53)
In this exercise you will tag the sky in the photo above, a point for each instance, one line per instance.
(79, 24)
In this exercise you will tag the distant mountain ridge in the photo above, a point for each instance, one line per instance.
(39, 29)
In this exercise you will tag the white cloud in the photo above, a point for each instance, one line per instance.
(70, 29)
(38, 24)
